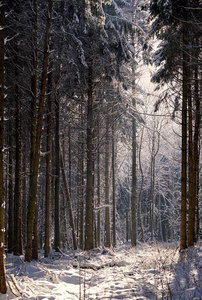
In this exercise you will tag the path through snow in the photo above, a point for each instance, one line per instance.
(144, 272)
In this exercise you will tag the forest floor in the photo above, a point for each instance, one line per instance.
(156, 271)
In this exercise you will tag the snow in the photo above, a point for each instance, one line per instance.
(148, 271)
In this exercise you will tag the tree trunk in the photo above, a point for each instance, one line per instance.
(34, 125)
(48, 175)
(57, 176)
(71, 218)
(134, 184)
(17, 192)
(141, 189)
(197, 150)
(134, 148)
(113, 188)
(107, 211)
(3, 287)
(89, 185)
(191, 214)
(154, 151)
(196, 147)
(35, 235)
(183, 233)
(34, 175)
(127, 227)
(11, 198)
(24, 197)
(98, 187)
(152, 197)
(81, 186)
(70, 161)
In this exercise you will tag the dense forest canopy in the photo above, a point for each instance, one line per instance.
(100, 124)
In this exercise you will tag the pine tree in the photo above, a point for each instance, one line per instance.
(176, 24)
(33, 179)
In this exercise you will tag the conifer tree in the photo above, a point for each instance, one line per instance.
(34, 176)
(175, 23)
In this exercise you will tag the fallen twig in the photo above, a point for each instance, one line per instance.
(15, 285)
(94, 267)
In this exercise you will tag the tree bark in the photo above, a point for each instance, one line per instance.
(34, 124)
(89, 240)
(152, 197)
(191, 214)
(11, 198)
(98, 191)
(192, 229)
(34, 175)
(57, 176)
(81, 185)
(134, 184)
(70, 161)
(71, 218)
(197, 150)
(18, 171)
(134, 152)
(48, 175)
(3, 287)
(183, 227)
(113, 188)
(107, 211)
(24, 195)
(141, 189)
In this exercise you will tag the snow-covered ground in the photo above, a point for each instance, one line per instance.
(155, 271)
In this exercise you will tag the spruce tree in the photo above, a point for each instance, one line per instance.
(175, 24)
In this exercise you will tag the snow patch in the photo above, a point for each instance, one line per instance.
(155, 271)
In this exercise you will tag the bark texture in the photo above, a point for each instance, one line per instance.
(183, 232)
(34, 175)
(89, 243)
(3, 287)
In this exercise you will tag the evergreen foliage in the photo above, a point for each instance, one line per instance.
(176, 25)
(74, 113)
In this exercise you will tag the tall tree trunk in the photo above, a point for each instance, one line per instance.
(81, 186)
(98, 191)
(113, 188)
(197, 149)
(141, 189)
(71, 218)
(191, 214)
(48, 175)
(34, 175)
(11, 198)
(3, 287)
(127, 226)
(134, 184)
(196, 146)
(152, 197)
(107, 211)
(134, 148)
(183, 227)
(154, 151)
(34, 125)
(57, 176)
(89, 185)
(17, 192)
(70, 161)
(24, 201)
(35, 235)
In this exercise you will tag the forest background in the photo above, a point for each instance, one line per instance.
(91, 154)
